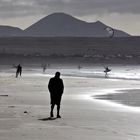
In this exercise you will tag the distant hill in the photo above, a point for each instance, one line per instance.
(64, 25)
(61, 25)
(10, 31)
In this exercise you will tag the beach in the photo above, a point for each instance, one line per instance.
(25, 108)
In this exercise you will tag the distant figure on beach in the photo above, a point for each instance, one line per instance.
(19, 70)
(56, 89)
(44, 68)
(106, 71)
(79, 67)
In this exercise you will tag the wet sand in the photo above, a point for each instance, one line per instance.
(82, 116)
(127, 97)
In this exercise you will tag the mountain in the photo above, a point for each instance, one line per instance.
(10, 31)
(61, 25)
(64, 25)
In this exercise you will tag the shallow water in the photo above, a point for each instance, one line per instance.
(117, 72)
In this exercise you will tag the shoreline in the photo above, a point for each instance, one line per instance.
(124, 74)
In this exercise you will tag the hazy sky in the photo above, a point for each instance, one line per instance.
(120, 14)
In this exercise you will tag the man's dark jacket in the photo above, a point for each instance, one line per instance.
(56, 88)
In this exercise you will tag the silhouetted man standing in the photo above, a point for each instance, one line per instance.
(56, 89)
(19, 70)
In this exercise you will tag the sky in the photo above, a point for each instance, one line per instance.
(119, 14)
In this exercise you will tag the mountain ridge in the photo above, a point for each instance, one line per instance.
(64, 25)
(9, 30)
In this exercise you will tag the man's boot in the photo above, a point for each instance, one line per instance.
(58, 110)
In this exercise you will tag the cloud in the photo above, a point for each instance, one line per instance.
(12, 8)
(122, 14)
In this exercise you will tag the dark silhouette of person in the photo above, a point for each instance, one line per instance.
(56, 88)
(19, 70)
(106, 71)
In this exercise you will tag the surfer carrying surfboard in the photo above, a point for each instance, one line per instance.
(106, 71)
